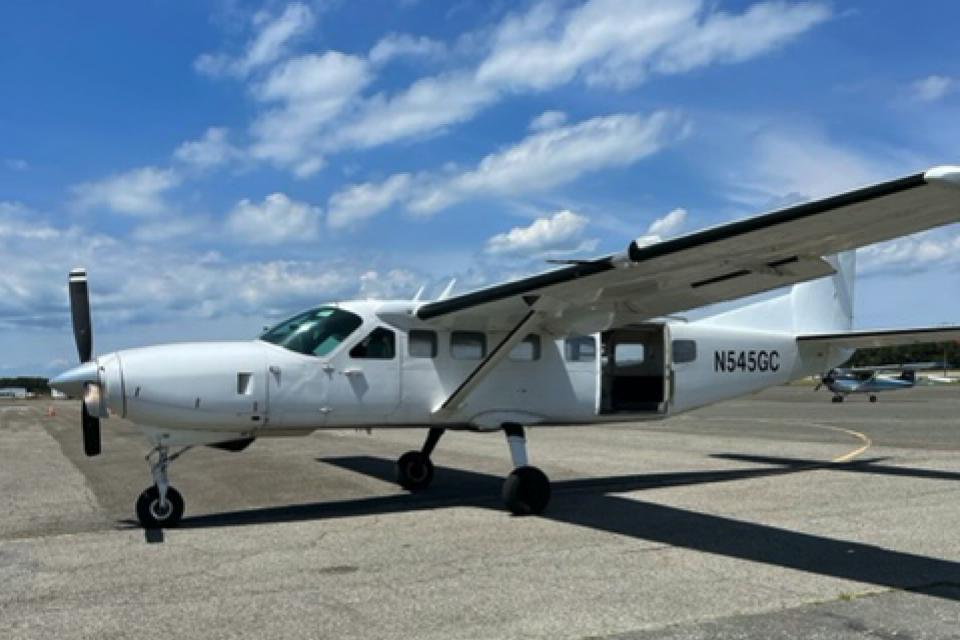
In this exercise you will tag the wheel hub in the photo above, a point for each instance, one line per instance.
(160, 510)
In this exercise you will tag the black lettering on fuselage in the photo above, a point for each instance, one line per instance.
(761, 360)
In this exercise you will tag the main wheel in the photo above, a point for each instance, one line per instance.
(414, 471)
(873, 398)
(526, 491)
(153, 515)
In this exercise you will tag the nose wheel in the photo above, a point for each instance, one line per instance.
(160, 506)
(154, 513)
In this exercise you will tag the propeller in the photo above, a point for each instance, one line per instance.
(83, 334)
(825, 379)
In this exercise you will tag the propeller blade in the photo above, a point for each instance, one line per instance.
(80, 309)
(819, 384)
(91, 433)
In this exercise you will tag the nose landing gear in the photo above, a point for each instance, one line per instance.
(160, 505)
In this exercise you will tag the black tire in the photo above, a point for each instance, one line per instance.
(526, 491)
(873, 398)
(414, 471)
(149, 513)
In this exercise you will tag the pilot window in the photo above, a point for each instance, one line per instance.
(527, 350)
(314, 333)
(468, 345)
(422, 343)
(379, 345)
(580, 349)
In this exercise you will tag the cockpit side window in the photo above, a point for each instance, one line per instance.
(379, 345)
(314, 333)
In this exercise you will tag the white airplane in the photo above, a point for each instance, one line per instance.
(585, 343)
(842, 382)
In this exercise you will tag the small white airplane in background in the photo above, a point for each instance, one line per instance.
(585, 343)
(843, 381)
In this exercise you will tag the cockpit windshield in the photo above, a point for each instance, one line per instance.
(314, 333)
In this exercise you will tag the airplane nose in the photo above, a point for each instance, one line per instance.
(72, 382)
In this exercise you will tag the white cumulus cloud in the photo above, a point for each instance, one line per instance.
(559, 234)
(276, 220)
(309, 92)
(542, 161)
(548, 120)
(138, 192)
(621, 42)
(211, 150)
(359, 202)
(270, 43)
(397, 45)
(427, 106)
(723, 37)
(548, 159)
(932, 88)
(668, 225)
(918, 252)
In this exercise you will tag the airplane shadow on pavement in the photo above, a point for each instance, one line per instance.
(589, 503)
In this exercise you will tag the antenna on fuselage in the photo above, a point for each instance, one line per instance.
(449, 289)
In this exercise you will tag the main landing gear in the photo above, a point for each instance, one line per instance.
(414, 468)
(837, 398)
(160, 505)
(526, 491)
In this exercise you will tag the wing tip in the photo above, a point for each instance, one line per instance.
(947, 175)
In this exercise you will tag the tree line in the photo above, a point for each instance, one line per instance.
(937, 352)
(31, 384)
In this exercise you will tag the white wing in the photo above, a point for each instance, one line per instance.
(713, 265)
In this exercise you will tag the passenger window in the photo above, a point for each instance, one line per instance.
(422, 344)
(684, 351)
(580, 349)
(527, 350)
(379, 345)
(468, 345)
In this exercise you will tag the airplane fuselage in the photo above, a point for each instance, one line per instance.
(201, 393)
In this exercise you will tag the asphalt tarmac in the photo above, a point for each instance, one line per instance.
(780, 515)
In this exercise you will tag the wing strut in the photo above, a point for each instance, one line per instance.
(512, 339)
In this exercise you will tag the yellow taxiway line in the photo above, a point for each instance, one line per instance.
(847, 457)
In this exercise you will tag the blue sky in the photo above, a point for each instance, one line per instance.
(217, 165)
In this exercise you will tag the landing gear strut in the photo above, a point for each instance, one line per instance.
(414, 468)
(160, 505)
(526, 491)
